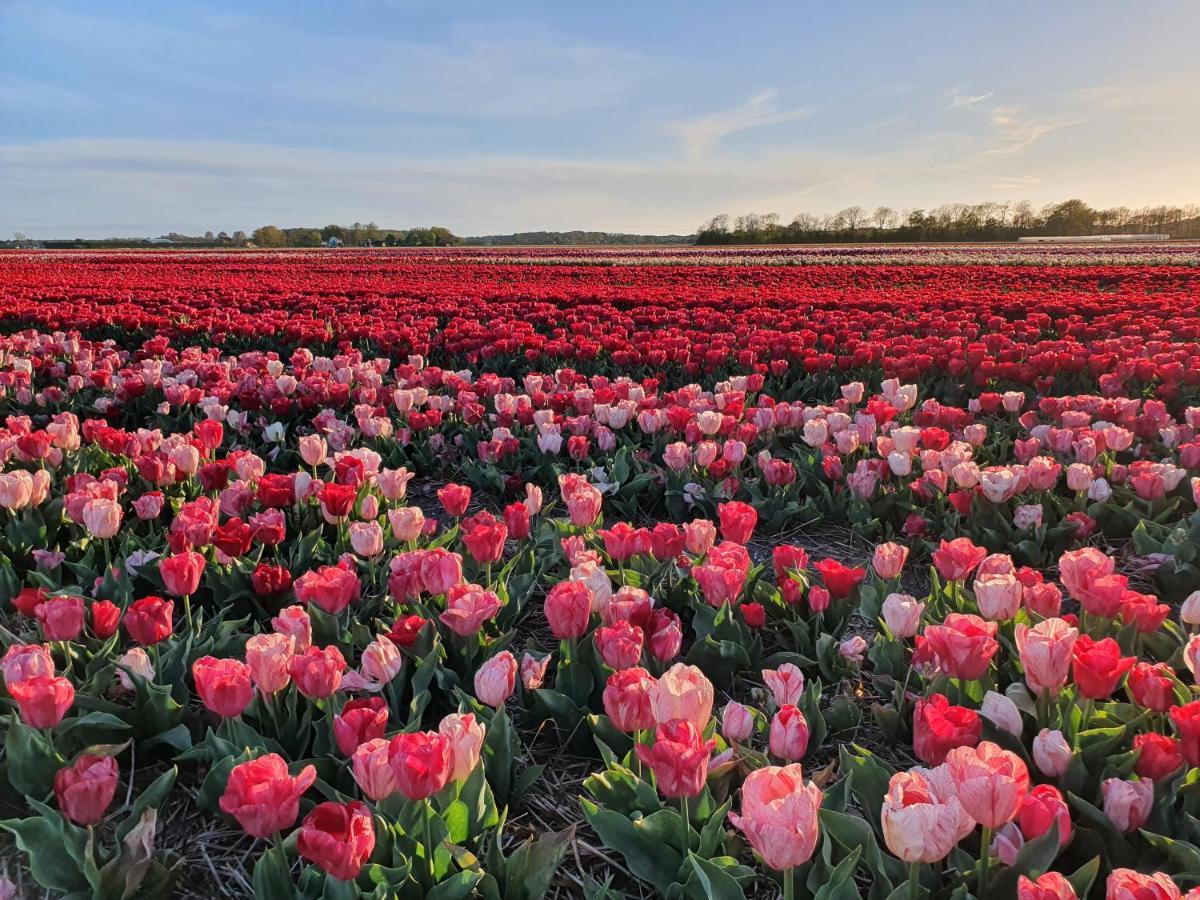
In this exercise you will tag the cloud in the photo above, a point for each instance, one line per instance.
(701, 133)
(1014, 182)
(961, 101)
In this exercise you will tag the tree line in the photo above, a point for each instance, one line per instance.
(951, 222)
(356, 235)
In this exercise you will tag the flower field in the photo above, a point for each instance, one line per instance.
(853, 572)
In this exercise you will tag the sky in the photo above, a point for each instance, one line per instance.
(139, 118)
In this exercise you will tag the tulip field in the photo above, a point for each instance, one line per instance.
(548, 573)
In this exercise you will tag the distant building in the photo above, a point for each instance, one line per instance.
(160, 240)
(333, 242)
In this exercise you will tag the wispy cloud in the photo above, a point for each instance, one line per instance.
(966, 101)
(701, 133)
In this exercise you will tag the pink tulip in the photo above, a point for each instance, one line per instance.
(682, 692)
(1046, 653)
(779, 815)
(990, 782)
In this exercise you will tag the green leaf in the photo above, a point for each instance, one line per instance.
(32, 762)
(708, 881)
(840, 884)
(531, 867)
(1034, 858)
(50, 863)
(455, 887)
(642, 843)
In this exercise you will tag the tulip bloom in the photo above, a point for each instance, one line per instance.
(1126, 884)
(372, 770)
(338, 838)
(902, 614)
(468, 606)
(1042, 806)
(465, 736)
(840, 580)
(61, 618)
(1049, 886)
(888, 560)
(1152, 685)
(1187, 726)
(779, 815)
(737, 521)
(1046, 653)
(148, 620)
(263, 796)
(786, 684)
(85, 789)
(421, 763)
(955, 560)
(316, 672)
(682, 692)
(496, 679)
(1051, 752)
(964, 645)
(921, 817)
(990, 782)
(737, 724)
(106, 618)
(619, 645)
(1098, 666)
(440, 570)
(268, 656)
(939, 727)
(568, 608)
(627, 699)
(454, 498)
(181, 573)
(1127, 803)
(42, 700)
(329, 588)
(22, 661)
(679, 758)
(1160, 756)
(789, 734)
(358, 722)
(223, 685)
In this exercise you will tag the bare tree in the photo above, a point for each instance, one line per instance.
(884, 217)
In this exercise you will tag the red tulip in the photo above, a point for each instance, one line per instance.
(421, 762)
(1126, 884)
(1098, 666)
(181, 573)
(1042, 806)
(454, 498)
(737, 521)
(317, 673)
(939, 727)
(1160, 756)
(619, 645)
(263, 796)
(1187, 726)
(627, 699)
(679, 758)
(148, 620)
(568, 608)
(955, 560)
(1151, 685)
(1049, 886)
(329, 588)
(270, 582)
(358, 722)
(84, 790)
(42, 700)
(789, 734)
(223, 685)
(839, 580)
(338, 838)
(106, 618)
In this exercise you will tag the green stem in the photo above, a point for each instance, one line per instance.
(687, 828)
(789, 884)
(914, 881)
(429, 840)
(985, 859)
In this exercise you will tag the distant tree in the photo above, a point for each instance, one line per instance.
(239, 237)
(1070, 217)
(884, 217)
(303, 237)
(223, 236)
(269, 236)
(853, 217)
(208, 236)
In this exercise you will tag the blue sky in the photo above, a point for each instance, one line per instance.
(139, 118)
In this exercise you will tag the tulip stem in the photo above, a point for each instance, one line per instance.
(429, 840)
(789, 884)
(985, 859)
(914, 881)
(687, 829)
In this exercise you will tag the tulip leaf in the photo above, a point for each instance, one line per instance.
(708, 881)
(1084, 877)
(50, 862)
(1184, 856)
(455, 887)
(645, 844)
(531, 867)
(32, 762)
(840, 884)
